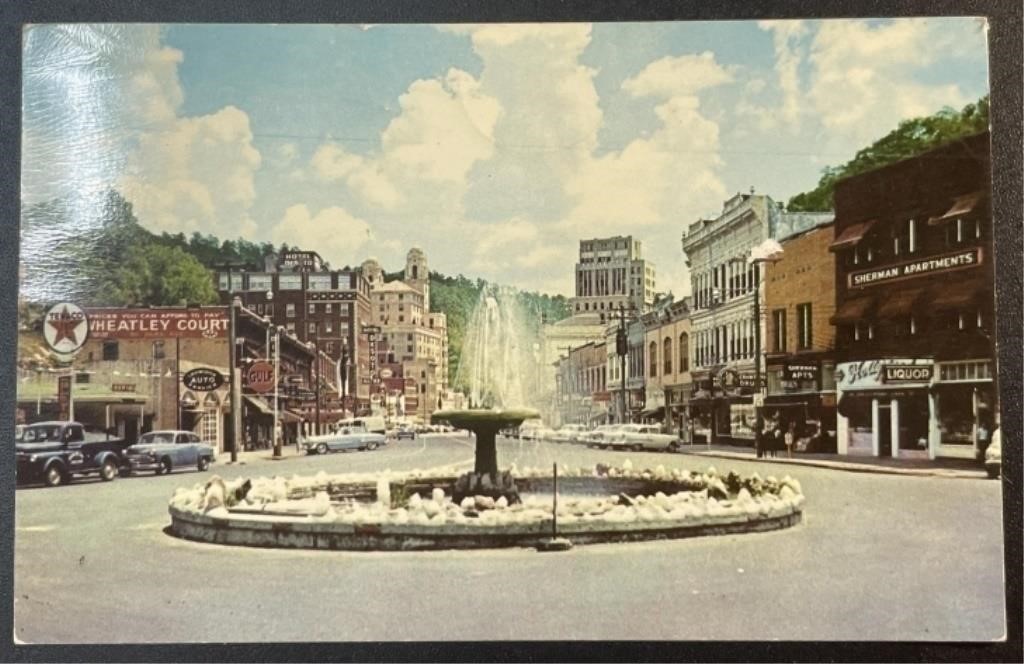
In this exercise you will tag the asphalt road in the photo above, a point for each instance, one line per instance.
(877, 557)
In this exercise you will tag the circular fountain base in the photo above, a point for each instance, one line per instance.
(347, 525)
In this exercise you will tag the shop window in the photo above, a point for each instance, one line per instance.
(779, 330)
(803, 326)
(82, 377)
(110, 350)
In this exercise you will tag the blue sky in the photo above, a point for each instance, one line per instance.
(493, 148)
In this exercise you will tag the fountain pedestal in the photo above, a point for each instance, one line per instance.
(485, 480)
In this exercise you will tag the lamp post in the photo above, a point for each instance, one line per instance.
(622, 349)
(277, 378)
(233, 303)
(316, 367)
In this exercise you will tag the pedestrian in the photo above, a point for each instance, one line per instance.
(983, 436)
(790, 439)
(776, 441)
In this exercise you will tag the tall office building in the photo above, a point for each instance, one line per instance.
(612, 272)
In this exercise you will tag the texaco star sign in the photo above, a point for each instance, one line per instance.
(65, 328)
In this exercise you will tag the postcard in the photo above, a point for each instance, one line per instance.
(647, 331)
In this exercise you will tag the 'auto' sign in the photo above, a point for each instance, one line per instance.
(202, 379)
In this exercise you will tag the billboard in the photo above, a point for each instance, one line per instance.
(205, 323)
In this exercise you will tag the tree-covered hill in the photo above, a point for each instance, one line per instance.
(910, 138)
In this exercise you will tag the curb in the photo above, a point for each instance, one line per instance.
(947, 473)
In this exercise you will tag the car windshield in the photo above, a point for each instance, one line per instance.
(156, 437)
(41, 433)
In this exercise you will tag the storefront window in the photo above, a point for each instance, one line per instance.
(741, 420)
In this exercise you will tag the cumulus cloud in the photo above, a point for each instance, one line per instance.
(110, 96)
(334, 233)
(678, 76)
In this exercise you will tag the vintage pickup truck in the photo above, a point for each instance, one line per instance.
(54, 452)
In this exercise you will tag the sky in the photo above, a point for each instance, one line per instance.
(494, 148)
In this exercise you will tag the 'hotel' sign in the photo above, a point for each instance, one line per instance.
(935, 264)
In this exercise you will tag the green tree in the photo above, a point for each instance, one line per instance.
(153, 274)
(910, 138)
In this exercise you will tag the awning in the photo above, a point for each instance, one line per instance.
(958, 294)
(259, 405)
(899, 303)
(961, 206)
(654, 413)
(852, 310)
(289, 416)
(852, 234)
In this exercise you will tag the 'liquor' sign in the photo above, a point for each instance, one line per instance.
(888, 274)
(906, 373)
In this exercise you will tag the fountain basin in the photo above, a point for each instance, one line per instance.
(348, 524)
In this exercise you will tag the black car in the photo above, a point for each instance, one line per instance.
(406, 433)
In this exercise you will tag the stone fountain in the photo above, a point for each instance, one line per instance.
(497, 370)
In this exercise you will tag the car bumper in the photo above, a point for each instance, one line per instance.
(142, 464)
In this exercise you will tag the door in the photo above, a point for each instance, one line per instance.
(884, 432)
(131, 430)
(186, 450)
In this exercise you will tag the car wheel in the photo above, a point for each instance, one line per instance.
(164, 468)
(371, 446)
(204, 464)
(108, 471)
(54, 476)
(673, 446)
(321, 448)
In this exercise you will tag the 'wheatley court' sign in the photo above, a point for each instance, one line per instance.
(158, 323)
(944, 263)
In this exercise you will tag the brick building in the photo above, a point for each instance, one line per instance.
(799, 301)
(327, 308)
(668, 385)
(914, 305)
(582, 390)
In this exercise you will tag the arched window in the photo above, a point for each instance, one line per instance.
(666, 356)
(684, 352)
(653, 350)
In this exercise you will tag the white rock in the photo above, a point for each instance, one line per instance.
(438, 495)
(501, 502)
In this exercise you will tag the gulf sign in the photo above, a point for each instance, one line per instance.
(211, 323)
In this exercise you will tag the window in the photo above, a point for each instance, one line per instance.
(311, 328)
(158, 350)
(290, 327)
(401, 319)
(312, 308)
(319, 282)
(269, 309)
(779, 330)
(261, 282)
(666, 356)
(329, 308)
(328, 326)
(803, 326)
(236, 281)
(329, 347)
(110, 350)
(653, 350)
(684, 352)
(289, 282)
(289, 310)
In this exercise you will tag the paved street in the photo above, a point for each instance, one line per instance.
(877, 557)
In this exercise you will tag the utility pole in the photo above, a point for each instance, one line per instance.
(622, 349)
(316, 367)
(236, 400)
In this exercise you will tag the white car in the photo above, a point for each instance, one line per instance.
(643, 437)
(600, 436)
(530, 431)
(569, 433)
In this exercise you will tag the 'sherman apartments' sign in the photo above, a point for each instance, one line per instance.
(944, 263)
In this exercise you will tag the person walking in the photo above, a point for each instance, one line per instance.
(790, 438)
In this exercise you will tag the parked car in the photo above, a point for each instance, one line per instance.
(346, 438)
(994, 455)
(55, 452)
(405, 432)
(530, 430)
(643, 437)
(163, 451)
(569, 433)
(599, 437)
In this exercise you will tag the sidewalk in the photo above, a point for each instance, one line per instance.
(257, 456)
(953, 468)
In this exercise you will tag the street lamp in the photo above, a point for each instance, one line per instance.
(768, 251)
(622, 349)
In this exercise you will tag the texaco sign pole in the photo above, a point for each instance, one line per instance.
(66, 329)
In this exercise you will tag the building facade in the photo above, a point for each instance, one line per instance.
(668, 384)
(799, 302)
(413, 335)
(327, 308)
(582, 386)
(612, 273)
(915, 374)
(724, 283)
